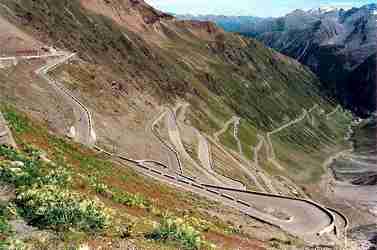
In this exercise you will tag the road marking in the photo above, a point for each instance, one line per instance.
(187, 177)
(228, 197)
(170, 176)
(197, 186)
(184, 181)
(213, 191)
(142, 166)
(243, 203)
(155, 171)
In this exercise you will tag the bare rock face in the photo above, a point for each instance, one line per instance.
(339, 45)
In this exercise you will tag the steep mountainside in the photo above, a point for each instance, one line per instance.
(239, 24)
(180, 102)
(334, 44)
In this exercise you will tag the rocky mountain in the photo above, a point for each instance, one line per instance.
(136, 130)
(338, 45)
(239, 24)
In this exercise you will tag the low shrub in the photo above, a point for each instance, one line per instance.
(179, 230)
(119, 196)
(26, 169)
(56, 208)
(43, 197)
(7, 239)
(131, 200)
(17, 122)
(99, 187)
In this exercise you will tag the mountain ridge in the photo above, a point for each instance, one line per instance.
(156, 90)
(333, 45)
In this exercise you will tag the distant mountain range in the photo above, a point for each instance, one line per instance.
(339, 45)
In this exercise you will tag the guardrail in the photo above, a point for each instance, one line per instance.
(346, 223)
(42, 71)
(212, 164)
(175, 152)
(329, 228)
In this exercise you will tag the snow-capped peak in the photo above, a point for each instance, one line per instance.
(327, 9)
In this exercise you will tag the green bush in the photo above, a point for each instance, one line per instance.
(53, 207)
(29, 169)
(98, 186)
(131, 200)
(179, 230)
(119, 196)
(7, 240)
(16, 122)
(42, 194)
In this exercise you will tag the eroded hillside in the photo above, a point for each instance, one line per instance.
(178, 99)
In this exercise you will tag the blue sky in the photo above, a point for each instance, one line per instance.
(262, 8)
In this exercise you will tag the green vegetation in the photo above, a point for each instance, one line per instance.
(304, 146)
(248, 138)
(181, 231)
(228, 139)
(63, 194)
(221, 75)
(6, 233)
(117, 195)
(16, 122)
(42, 196)
(50, 206)
(132, 200)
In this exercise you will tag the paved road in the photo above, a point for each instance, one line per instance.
(235, 135)
(175, 137)
(205, 157)
(271, 152)
(175, 164)
(260, 171)
(301, 217)
(304, 217)
(246, 169)
(267, 181)
(83, 124)
(224, 128)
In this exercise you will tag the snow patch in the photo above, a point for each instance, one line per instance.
(327, 9)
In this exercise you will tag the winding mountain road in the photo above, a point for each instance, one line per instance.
(235, 135)
(225, 128)
(271, 151)
(205, 157)
(83, 123)
(301, 217)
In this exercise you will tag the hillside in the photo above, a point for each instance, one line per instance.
(335, 44)
(184, 103)
(239, 24)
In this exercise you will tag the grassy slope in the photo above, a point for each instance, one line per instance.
(303, 146)
(151, 200)
(220, 75)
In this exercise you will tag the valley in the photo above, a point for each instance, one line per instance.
(208, 113)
